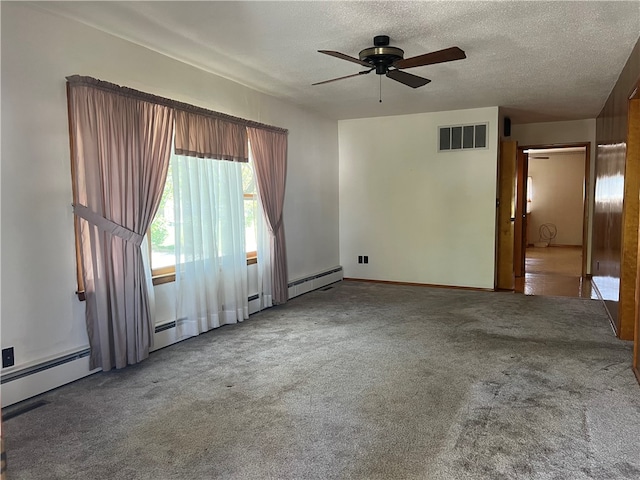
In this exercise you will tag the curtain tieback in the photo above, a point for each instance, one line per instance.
(107, 225)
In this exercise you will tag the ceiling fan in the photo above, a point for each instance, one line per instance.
(389, 61)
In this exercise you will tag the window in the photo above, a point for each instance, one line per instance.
(250, 209)
(216, 207)
(161, 234)
(162, 231)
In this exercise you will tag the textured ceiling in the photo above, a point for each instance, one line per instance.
(541, 60)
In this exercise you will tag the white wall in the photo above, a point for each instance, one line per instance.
(554, 133)
(41, 316)
(421, 216)
(558, 184)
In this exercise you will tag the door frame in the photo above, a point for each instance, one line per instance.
(521, 199)
(520, 223)
(633, 149)
(505, 213)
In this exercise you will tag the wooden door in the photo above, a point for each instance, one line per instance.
(636, 340)
(505, 279)
(633, 155)
(626, 324)
(520, 223)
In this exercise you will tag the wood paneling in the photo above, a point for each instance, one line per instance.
(615, 237)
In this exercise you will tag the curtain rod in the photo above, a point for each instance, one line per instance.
(74, 80)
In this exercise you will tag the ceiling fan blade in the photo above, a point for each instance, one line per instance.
(412, 81)
(446, 55)
(345, 57)
(341, 78)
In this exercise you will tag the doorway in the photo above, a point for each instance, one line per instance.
(552, 197)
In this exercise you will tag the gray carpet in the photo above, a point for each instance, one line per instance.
(362, 381)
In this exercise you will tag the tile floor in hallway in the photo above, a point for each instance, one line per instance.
(555, 271)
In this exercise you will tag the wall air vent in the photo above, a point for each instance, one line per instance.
(462, 137)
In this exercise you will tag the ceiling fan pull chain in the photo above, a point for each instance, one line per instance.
(380, 76)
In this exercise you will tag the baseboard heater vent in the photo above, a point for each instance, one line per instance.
(313, 277)
(41, 367)
(165, 326)
(8, 412)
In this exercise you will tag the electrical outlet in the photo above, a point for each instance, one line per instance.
(7, 357)
(359, 258)
(366, 259)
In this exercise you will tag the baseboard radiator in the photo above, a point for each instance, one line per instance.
(24, 383)
(314, 282)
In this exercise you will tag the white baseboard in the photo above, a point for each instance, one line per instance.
(314, 282)
(22, 383)
(32, 381)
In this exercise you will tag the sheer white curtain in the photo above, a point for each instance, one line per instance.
(211, 263)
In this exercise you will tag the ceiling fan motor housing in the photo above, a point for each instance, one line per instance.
(381, 57)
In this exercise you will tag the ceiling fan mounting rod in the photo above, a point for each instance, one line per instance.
(381, 40)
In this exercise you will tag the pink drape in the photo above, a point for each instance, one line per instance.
(209, 137)
(269, 151)
(120, 154)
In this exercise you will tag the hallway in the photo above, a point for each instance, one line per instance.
(555, 271)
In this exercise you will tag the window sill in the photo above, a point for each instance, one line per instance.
(171, 277)
(163, 278)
